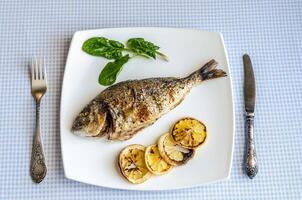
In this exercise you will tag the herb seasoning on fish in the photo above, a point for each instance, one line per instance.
(123, 109)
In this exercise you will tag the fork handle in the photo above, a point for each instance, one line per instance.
(251, 158)
(37, 164)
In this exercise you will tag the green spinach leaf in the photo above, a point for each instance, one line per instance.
(111, 49)
(144, 48)
(111, 70)
(100, 46)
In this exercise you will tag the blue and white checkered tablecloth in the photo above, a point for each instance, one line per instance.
(270, 31)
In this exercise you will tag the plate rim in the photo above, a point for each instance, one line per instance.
(230, 163)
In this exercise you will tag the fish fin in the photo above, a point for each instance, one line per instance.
(207, 72)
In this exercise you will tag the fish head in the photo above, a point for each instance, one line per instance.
(91, 121)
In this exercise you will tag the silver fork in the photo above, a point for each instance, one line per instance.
(38, 89)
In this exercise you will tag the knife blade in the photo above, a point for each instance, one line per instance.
(251, 164)
(249, 85)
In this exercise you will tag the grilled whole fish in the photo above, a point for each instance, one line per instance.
(123, 109)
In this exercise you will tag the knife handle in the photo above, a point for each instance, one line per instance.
(251, 159)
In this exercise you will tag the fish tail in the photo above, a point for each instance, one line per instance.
(207, 72)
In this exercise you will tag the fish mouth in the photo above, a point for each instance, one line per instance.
(81, 120)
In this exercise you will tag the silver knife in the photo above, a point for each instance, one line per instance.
(249, 100)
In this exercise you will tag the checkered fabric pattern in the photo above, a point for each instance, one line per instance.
(270, 31)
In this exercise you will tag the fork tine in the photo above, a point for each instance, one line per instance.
(41, 68)
(32, 69)
(37, 69)
(44, 70)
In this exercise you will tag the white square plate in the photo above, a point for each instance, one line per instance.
(93, 160)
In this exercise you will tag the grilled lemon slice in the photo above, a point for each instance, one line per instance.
(131, 162)
(189, 133)
(173, 153)
(155, 162)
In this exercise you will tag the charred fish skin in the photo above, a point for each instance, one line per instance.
(123, 109)
(138, 104)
